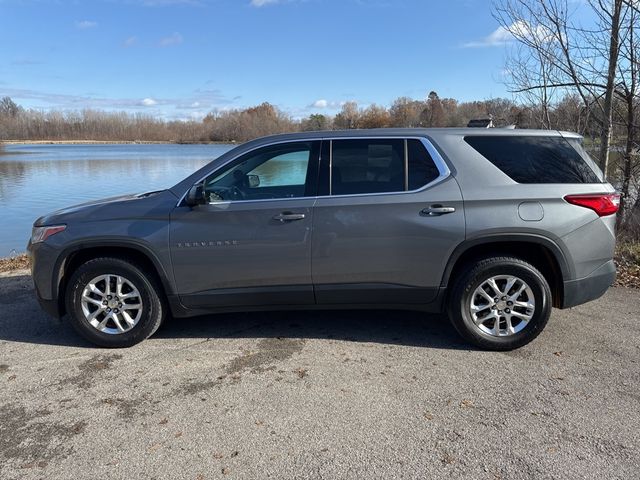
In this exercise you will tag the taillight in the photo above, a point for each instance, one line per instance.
(603, 204)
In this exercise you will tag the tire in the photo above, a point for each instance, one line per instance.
(139, 286)
(516, 328)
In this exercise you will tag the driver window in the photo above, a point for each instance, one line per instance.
(277, 171)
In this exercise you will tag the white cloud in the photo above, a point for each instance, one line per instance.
(537, 32)
(130, 42)
(498, 37)
(501, 35)
(262, 3)
(173, 39)
(86, 24)
(322, 103)
(197, 100)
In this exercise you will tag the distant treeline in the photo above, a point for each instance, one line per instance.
(569, 113)
(17, 123)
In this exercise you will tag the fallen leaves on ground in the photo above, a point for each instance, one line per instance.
(627, 259)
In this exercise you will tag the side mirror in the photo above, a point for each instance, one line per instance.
(254, 181)
(195, 196)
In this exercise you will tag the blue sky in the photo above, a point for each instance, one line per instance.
(183, 58)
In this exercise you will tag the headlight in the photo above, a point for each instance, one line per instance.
(40, 234)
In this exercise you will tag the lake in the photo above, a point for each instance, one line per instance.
(37, 179)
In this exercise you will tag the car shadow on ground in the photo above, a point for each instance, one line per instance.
(22, 320)
(397, 327)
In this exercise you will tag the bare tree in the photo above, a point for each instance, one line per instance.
(405, 112)
(348, 116)
(568, 55)
(570, 114)
(8, 108)
(314, 122)
(528, 65)
(433, 114)
(610, 19)
(374, 116)
(628, 87)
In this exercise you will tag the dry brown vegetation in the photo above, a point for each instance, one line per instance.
(628, 262)
(11, 264)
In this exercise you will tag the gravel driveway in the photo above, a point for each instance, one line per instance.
(377, 394)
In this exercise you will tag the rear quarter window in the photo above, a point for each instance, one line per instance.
(534, 159)
(422, 169)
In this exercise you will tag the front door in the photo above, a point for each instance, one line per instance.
(250, 243)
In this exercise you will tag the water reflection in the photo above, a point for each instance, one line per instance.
(37, 179)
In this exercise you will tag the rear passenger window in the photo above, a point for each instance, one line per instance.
(367, 166)
(534, 159)
(379, 166)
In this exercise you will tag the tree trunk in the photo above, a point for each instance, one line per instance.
(628, 151)
(614, 48)
(632, 225)
(624, 220)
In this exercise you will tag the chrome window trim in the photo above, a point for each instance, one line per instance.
(441, 165)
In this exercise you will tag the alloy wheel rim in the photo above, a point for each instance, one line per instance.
(502, 305)
(111, 304)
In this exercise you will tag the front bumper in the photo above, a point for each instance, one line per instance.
(43, 273)
(591, 287)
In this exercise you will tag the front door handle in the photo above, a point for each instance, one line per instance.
(289, 217)
(436, 210)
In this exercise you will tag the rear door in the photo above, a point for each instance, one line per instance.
(387, 220)
(250, 244)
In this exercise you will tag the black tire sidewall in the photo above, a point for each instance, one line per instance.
(461, 316)
(152, 307)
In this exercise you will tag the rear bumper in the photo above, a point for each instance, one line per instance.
(577, 292)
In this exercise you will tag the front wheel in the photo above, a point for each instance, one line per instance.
(500, 303)
(114, 303)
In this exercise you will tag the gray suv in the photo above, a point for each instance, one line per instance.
(492, 226)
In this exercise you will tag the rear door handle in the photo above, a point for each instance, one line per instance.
(289, 217)
(436, 210)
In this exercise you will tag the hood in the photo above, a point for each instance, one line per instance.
(105, 208)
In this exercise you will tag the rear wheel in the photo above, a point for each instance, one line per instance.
(114, 303)
(500, 303)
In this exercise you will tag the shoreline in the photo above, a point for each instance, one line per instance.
(109, 142)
